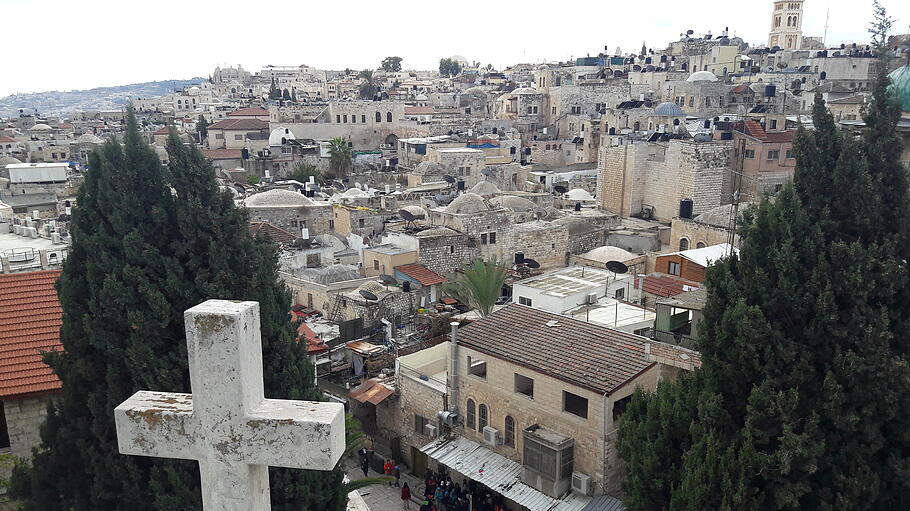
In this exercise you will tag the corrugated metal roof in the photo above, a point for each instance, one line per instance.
(498, 473)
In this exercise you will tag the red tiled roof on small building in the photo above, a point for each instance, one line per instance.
(30, 318)
(422, 274)
(277, 234)
(661, 284)
(249, 112)
(240, 124)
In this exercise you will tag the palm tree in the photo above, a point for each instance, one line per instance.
(368, 86)
(479, 285)
(340, 156)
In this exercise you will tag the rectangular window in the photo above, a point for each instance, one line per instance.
(576, 110)
(524, 301)
(673, 268)
(574, 404)
(483, 239)
(420, 423)
(219, 136)
(360, 222)
(789, 154)
(773, 155)
(238, 137)
(375, 264)
(492, 238)
(524, 385)
(477, 368)
(619, 407)
(338, 119)
(4, 433)
(553, 110)
(619, 294)
(363, 119)
(749, 153)
(773, 124)
(691, 101)
(345, 117)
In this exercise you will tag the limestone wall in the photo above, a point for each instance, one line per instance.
(24, 418)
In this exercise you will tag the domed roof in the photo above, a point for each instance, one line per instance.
(428, 168)
(355, 193)
(517, 204)
(485, 188)
(575, 225)
(525, 90)
(579, 194)
(702, 76)
(280, 135)
(900, 82)
(88, 138)
(467, 203)
(8, 160)
(608, 253)
(330, 274)
(536, 225)
(40, 127)
(720, 216)
(417, 211)
(669, 109)
(436, 231)
(277, 199)
(371, 286)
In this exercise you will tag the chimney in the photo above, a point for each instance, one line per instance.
(453, 368)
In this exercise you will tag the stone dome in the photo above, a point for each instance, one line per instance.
(355, 193)
(278, 199)
(8, 160)
(579, 195)
(280, 135)
(468, 203)
(702, 76)
(900, 82)
(669, 109)
(485, 188)
(330, 274)
(517, 204)
(40, 127)
(371, 286)
(608, 253)
(428, 168)
(417, 211)
(575, 225)
(436, 231)
(89, 138)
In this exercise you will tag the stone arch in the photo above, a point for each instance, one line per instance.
(378, 116)
(701, 244)
(388, 117)
(391, 140)
(683, 244)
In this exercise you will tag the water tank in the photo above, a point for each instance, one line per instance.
(770, 91)
(685, 208)
(406, 286)
(519, 257)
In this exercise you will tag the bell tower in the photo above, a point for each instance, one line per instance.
(786, 25)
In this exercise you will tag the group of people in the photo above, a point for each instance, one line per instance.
(443, 494)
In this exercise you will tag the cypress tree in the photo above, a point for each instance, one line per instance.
(148, 244)
(804, 395)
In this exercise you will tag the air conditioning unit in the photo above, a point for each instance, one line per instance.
(591, 298)
(581, 483)
(491, 436)
(429, 430)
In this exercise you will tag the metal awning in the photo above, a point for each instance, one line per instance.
(498, 473)
(370, 391)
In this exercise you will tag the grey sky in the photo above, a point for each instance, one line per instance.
(66, 44)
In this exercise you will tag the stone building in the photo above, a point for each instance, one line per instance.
(540, 240)
(766, 160)
(239, 133)
(31, 316)
(443, 250)
(484, 223)
(524, 383)
(786, 24)
(706, 229)
(653, 177)
(317, 287)
(291, 211)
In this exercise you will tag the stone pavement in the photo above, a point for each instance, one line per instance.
(382, 497)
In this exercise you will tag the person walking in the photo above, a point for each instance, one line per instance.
(387, 469)
(406, 496)
(396, 471)
(365, 466)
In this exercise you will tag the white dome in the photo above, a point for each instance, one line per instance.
(608, 253)
(88, 138)
(355, 193)
(702, 76)
(517, 204)
(277, 199)
(468, 203)
(40, 127)
(579, 194)
(280, 135)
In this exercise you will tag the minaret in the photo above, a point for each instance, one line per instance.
(786, 24)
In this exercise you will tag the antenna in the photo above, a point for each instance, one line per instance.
(825, 34)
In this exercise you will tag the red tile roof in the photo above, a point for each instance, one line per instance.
(422, 274)
(587, 355)
(240, 124)
(162, 131)
(661, 284)
(30, 318)
(8, 139)
(249, 112)
(222, 154)
(753, 129)
(277, 234)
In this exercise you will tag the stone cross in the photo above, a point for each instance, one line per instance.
(226, 424)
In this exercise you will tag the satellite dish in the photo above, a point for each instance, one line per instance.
(368, 295)
(531, 263)
(617, 267)
(449, 179)
(407, 215)
(560, 189)
(388, 280)
(487, 172)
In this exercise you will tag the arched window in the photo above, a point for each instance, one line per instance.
(388, 117)
(378, 116)
(483, 417)
(683, 244)
(636, 126)
(509, 431)
(470, 419)
(700, 244)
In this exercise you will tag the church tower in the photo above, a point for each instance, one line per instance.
(786, 25)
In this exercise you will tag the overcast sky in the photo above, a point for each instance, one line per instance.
(80, 44)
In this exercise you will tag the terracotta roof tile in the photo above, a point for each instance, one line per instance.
(422, 274)
(666, 285)
(249, 112)
(275, 233)
(587, 355)
(241, 123)
(30, 318)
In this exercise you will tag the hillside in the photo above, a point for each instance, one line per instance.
(99, 98)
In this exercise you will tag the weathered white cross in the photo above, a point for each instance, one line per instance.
(226, 423)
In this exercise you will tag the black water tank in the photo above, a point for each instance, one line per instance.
(460, 185)
(245, 153)
(519, 257)
(770, 91)
(406, 286)
(685, 208)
